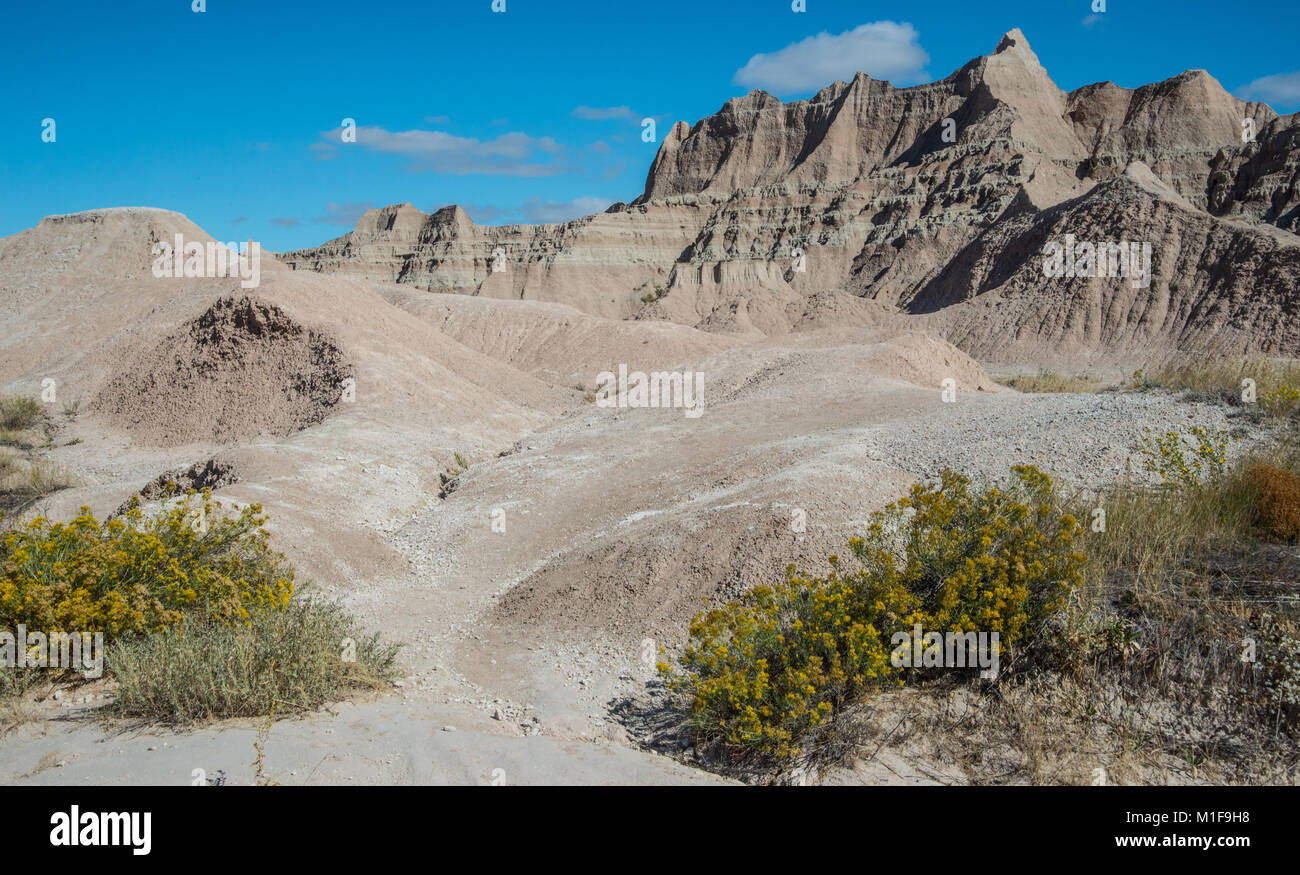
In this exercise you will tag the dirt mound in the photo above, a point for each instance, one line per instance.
(554, 342)
(240, 370)
(210, 474)
(796, 367)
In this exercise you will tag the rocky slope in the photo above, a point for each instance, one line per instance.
(867, 199)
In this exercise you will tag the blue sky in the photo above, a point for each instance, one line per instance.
(233, 115)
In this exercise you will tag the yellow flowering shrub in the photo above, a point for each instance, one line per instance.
(134, 574)
(1164, 454)
(763, 672)
(1280, 401)
(999, 560)
(768, 668)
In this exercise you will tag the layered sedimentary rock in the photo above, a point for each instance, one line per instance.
(867, 199)
(1202, 285)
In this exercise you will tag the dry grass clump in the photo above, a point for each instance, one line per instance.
(19, 413)
(1276, 381)
(1185, 633)
(26, 479)
(1046, 381)
(297, 659)
(1279, 501)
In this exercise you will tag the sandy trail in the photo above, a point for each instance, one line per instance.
(618, 523)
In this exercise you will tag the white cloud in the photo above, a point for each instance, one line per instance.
(599, 113)
(1281, 89)
(343, 214)
(484, 214)
(881, 49)
(537, 210)
(513, 154)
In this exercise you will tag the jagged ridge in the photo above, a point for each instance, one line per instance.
(862, 179)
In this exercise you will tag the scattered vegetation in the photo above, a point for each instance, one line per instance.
(26, 477)
(1158, 641)
(1185, 460)
(17, 439)
(15, 709)
(1046, 381)
(651, 297)
(459, 466)
(1276, 382)
(198, 612)
(260, 778)
(1186, 625)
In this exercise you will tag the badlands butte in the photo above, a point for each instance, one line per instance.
(826, 265)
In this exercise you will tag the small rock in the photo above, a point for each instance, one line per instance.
(449, 728)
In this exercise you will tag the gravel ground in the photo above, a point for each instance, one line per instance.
(1082, 440)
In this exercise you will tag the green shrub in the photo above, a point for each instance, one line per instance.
(764, 671)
